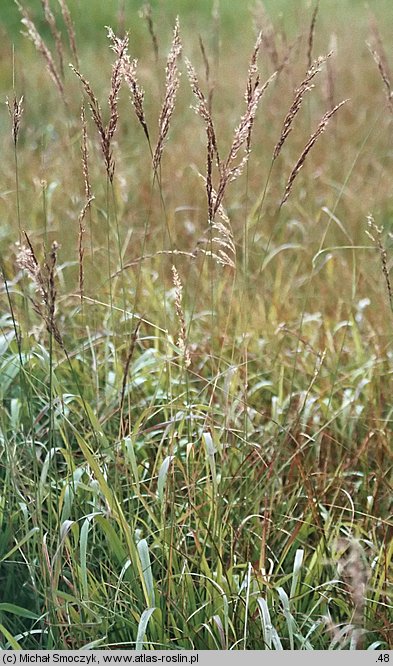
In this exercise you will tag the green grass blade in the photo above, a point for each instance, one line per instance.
(17, 610)
(20, 543)
(11, 640)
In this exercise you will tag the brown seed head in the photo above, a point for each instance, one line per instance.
(294, 109)
(312, 140)
(15, 110)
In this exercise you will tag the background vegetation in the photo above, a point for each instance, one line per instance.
(197, 453)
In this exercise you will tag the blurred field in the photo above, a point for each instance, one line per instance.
(91, 16)
(195, 442)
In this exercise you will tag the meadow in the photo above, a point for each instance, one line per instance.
(196, 325)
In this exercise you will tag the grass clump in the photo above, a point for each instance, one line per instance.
(196, 349)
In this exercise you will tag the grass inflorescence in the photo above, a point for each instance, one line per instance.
(195, 378)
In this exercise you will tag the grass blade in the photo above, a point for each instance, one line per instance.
(142, 627)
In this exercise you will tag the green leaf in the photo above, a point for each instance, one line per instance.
(18, 610)
(11, 640)
(20, 543)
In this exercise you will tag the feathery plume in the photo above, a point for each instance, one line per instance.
(228, 171)
(120, 47)
(97, 117)
(252, 82)
(171, 87)
(240, 137)
(27, 261)
(242, 134)
(137, 93)
(202, 109)
(224, 238)
(312, 140)
(44, 280)
(181, 341)
(294, 109)
(106, 132)
(375, 234)
(384, 73)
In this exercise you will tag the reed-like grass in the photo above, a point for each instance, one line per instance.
(195, 379)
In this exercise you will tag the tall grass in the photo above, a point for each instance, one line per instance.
(195, 378)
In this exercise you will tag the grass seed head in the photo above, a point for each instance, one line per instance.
(172, 81)
(305, 86)
(43, 277)
(381, 63)
(137, 93)
(15, 110)
(182, 338)
(310, 143)
(375, 234)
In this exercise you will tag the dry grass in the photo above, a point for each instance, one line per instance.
(137, 93)
(182, 338)
(210, 437)
(43, 278)
(108, 130)
(305, 86)
(376, 233)
(381, 62)
(310, 143)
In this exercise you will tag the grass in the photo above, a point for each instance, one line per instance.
(196, 417)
